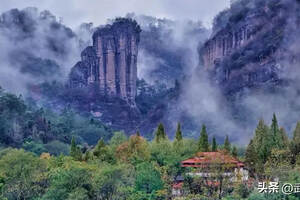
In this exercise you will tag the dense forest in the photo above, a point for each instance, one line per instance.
(54, 157)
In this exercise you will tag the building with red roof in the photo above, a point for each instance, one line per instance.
(211, 166)
(208, 164)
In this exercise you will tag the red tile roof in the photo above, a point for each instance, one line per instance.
(203, 159)
(213, 183)
(178, 185)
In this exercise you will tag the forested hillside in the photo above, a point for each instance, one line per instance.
(134, 168)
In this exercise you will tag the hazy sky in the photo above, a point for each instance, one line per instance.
(74, 12)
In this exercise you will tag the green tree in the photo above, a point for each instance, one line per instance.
(99, 148)
(234, 152)
(214, 147)
(160, 133)
(165, 156)
(251, 157)
(73, 147)
(148, 179)
(284, 139)
(33, 146)
(275, 134)
(87, 155)
(295, 143)
(117, 139)
(278, 164)
(65, 183)
(78, 194)
(178, 143)
(24, 174)
(75, 151)
(262, 141)
(138, 133)
(227, 145)
(101, 151)
(56, 148)
(259, 150)
(114, 182)
(242, 190)
(178, 134)
(203, 140)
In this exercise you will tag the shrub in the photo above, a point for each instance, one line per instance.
(56, 147)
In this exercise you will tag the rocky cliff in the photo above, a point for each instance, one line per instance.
(249, 44)
(111, 63)
(104, 82)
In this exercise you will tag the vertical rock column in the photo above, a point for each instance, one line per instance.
(116, 48)
(98, 44)
(110, 66)
(133, 70)
(122, 62)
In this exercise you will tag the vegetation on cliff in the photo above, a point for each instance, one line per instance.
(39, 129)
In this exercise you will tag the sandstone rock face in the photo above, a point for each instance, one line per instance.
(111, 63)
(248, 50)
(226, 41)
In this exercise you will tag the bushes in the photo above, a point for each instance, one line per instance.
(91, 133)
(67, 183)
(24, 174)
(148, 179)
(242, 190)
(56, 148)
(33, 146)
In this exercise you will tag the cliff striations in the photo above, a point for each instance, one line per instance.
(104, 82)
(251, 44)
(111, 63)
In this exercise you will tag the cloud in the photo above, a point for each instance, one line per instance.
(168, 48)
(36, 48)
(74, 12)
(238, 115)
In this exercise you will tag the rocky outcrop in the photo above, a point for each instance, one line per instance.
(111, 63)
(228, 40)
(247, 49)
(103, 83)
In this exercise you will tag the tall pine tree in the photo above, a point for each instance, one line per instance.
(160, 133)
(178, 135)
(75, 151)
(295, 143)
(234, 151)
(73, 147)
(203, 140)
(102, 152)
(284, 139)
(251, 157)
(275, 134)
(99, 148)
(262, 141)
(178, 143)
(214, 147)
(227, 146)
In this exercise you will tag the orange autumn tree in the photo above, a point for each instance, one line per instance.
(134, 150)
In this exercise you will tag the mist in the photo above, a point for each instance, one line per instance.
(168, 48)
(98, 11)
(238, 116)
(36, 47)
(39, 47)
